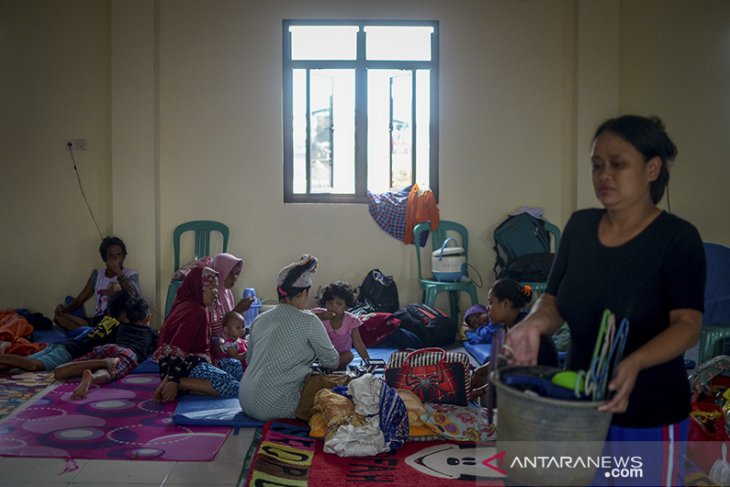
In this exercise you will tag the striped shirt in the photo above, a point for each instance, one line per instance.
(281, 347)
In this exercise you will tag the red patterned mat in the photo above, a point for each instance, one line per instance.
(286, 455)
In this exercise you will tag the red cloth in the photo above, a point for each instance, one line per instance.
(420, 208)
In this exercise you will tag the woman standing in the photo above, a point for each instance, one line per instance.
(283, 344)
(643, 264)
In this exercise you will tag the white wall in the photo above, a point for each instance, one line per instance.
(180, 101)
(54, 60)
(679, 69)
(221, 139)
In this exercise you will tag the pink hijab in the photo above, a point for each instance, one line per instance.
(223, 264)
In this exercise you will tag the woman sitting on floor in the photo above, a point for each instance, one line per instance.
(282, 346)
(229, 268)
(184, 346)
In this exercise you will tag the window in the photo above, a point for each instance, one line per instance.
(360, 108)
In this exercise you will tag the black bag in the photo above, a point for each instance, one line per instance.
(522, 245)
(379, 291)
(431, 325)
(531, 267)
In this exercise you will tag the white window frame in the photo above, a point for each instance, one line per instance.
(360, 65)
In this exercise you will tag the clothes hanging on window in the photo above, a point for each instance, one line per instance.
(389, 211)
(421, 207)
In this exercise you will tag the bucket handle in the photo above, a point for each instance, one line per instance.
(443, 246)
(492, 368)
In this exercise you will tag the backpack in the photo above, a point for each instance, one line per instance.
(379, 291)
(522, 245)
(431, 325)
(376, 327)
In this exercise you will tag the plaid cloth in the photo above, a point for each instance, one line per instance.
(389, 211)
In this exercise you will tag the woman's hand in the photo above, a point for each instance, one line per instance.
(522, 344)
(622, 384)
(244, 304)
(166, 391)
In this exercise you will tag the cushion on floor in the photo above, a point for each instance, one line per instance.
(194, 410)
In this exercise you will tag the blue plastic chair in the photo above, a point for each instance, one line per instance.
(554, 232)
(716, 318)
(202, 230)
(431, 287)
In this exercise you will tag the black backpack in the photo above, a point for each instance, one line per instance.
(522, 245)
(431, 325)
(379, 292)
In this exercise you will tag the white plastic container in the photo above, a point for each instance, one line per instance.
(448, 263)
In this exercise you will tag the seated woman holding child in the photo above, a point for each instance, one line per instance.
(185, 351)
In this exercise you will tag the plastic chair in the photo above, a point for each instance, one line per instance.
(431, 287)
(202, 230)
(554, 232)
(716, 318)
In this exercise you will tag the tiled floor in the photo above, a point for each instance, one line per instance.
(49, 472)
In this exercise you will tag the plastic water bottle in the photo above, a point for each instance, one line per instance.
(252, 312)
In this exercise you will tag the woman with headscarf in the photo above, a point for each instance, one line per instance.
(283, 344)
(228, 267)
(184, 346)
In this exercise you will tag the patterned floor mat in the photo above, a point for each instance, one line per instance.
(16, 388)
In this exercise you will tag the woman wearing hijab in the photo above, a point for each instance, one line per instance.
(283, 344)
(228, 267)
(184, 346)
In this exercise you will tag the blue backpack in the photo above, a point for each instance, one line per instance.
(522, 245)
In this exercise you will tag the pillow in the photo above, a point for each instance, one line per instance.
(460, 423)
(414, 405)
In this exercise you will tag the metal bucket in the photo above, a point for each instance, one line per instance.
(547, 441)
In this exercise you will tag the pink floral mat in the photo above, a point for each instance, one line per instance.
(117, 421)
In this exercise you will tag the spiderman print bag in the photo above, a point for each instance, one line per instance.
(433, 374)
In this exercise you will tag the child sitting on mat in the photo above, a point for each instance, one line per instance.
(233, 343)
(341, 326)
(134, 343)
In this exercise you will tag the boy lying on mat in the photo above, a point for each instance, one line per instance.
(134, 343)
(56, 354)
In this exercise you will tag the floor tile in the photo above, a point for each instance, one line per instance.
(27, 483)
(36, 470)
(101, 472)
(223, 471)
(236, 446)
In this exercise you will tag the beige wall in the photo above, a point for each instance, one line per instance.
(181, 104)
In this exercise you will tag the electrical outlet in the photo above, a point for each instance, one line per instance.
(74, 144)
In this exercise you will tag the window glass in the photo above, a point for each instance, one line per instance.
(353, 125)
(397, 42)
(324, 42)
